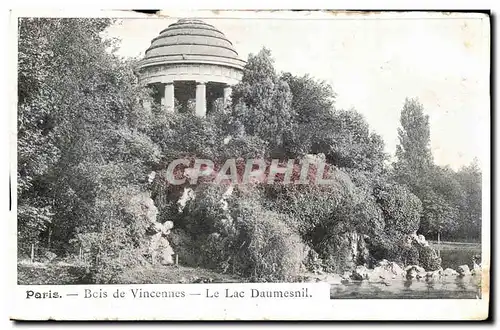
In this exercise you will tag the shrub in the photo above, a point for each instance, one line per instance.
(234, 233)
(428, 258)
(401, 209)
(111, 264)
(275, 252)
(118, 240)
(395, 247)
(184, 246)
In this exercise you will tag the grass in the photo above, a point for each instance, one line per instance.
(456, 245)
(454, 254)
(51, 274)
(64, 273)
(175, 274)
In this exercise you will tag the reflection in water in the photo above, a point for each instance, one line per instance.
(444, 287)
(460, 283)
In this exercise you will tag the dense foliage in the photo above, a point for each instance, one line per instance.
(86, 146)
(83, 147)
(451, 200)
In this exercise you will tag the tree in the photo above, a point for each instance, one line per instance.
(312, 101)
(345, 139)
(82, 133)
(414, 157)
(442, 191)
(267, 98)
(470, 211)
(439, 215)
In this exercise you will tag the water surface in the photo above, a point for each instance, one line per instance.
(444, 288)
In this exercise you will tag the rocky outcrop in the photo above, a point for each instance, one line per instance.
(434, 275)
(419, 240)
(476, 265)
(415, 271)
(463, 271)
(385, 271)
(354, 249)
(159, 246)
(392, 267)
(449, 272)
(187, 195)
(360, 273)
(334, 279)
(427, 256)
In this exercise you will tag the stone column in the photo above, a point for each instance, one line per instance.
(227, 94)
(146, 103)
(201, 99)
(169, 97)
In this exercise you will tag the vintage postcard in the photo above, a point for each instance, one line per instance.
(250, 165)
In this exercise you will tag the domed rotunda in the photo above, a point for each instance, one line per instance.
(190, 60)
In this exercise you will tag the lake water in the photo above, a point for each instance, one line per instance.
(444, 288)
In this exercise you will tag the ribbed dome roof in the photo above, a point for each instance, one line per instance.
(191, 41)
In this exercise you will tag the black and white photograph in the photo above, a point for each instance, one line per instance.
(344, 149)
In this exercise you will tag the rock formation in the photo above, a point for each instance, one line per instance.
(159, 247)
(463, 270)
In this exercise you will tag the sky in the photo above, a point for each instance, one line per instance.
(373, 62)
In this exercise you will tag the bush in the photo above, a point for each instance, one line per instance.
(395, 247)
(428, 258)
(333, 220)
(401, 209)
(344, 252)
(234, 233)
(111, 264)
(183, 245)
(275, 253)
(118, 240)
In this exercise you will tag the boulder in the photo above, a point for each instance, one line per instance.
(187, 195)
(380, 274)
(346, 277)
(360, 273)
(201, 279)
(417, 269)
(167, 252)
(449, 272)
(331, 279)
(397, 270)
(310, 279)
(421, 240)
(414, 271)
(463, 270)
(411, 274)
(476, 269)
(391, 267)
(422, 252)
(476, 265)
(160, 248)
(351, 250)
(166, 227)
(434, 275)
